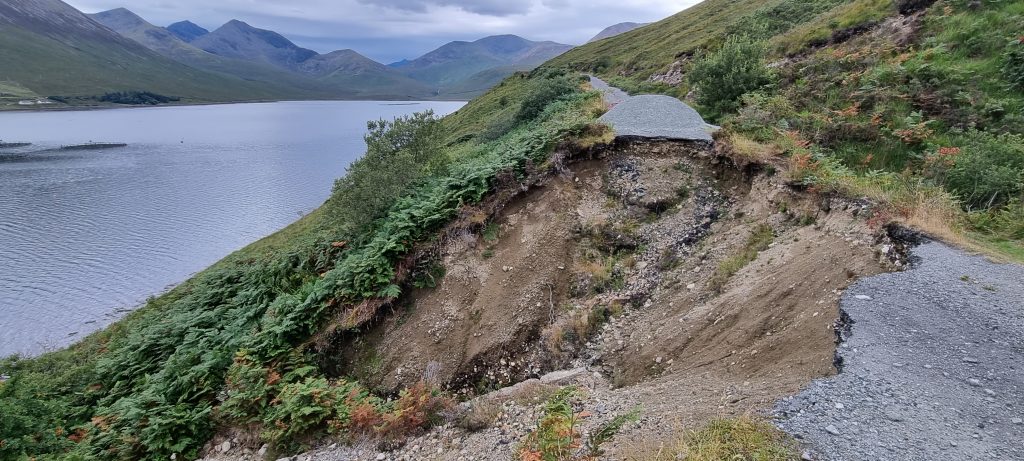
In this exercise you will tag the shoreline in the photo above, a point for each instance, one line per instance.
(65, 108)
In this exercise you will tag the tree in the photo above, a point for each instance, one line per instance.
(399, 153)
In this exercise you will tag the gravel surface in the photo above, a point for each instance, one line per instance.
(651, 116)
(933, 367)
(657, 116)
(612, 95)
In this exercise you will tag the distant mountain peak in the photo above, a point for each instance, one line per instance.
(617, 29)
(237, 39)
(187, 30)
(455, 62)
(120, 16)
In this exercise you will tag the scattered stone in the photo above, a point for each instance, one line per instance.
(863, 297)
(974, 382)
(225, 447)
(831, 429)
(840, 406)
(381, 457)
(1017, 421)
(970, 360)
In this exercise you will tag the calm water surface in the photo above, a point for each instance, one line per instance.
(85, 236)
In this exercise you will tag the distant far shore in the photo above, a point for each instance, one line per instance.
(66, 107)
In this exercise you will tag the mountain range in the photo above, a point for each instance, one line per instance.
(49, 48)
(55, 50)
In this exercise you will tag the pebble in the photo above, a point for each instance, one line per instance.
(381, 457)
(1017, 421)
(974, 382)
(863, 297)
(832, 429)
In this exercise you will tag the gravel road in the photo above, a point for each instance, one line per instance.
(651, 116)
(932, 369)
(612, 95)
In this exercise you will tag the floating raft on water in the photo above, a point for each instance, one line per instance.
(11, 145)
(94, 146)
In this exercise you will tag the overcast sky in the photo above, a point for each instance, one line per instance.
(389, 30)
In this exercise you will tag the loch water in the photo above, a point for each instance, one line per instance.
(87, 235)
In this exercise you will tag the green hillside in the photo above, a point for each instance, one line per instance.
(51, 68)
(921, 114)
(912, 102)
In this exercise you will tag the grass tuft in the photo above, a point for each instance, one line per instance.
(759, 239)
(741, 439)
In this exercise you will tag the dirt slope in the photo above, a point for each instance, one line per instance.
(612, 270)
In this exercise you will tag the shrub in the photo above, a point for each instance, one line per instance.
(1005, 223)
(1013, 63)
(398, 154)
(543, 92)
(722, 77)
(989, 170)
(417, 408)
(557, 435)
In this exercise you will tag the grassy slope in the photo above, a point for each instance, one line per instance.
(946, 82)
(651, 49)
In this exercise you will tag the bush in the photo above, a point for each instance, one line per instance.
(398, 154)
(989, 171)
(1004, 223)
(544, 92)
(722, 77)
(1013, 63)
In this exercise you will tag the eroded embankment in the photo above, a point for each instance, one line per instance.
(654, 274)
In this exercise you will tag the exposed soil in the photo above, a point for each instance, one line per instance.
(604, 272)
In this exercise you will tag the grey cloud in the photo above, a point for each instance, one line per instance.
(498, 8)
